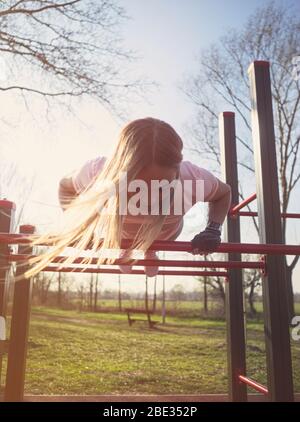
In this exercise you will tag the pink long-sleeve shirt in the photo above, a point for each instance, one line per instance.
(173, 223)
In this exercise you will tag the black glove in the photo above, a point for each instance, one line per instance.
(207, 240)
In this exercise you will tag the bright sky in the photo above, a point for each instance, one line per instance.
(168, 34)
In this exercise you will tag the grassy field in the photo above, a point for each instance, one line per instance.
(88, 353)
(184, 308)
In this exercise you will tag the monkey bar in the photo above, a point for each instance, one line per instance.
(242, 204)
(182, 246)
(235, 210)
(154, 262)
(256, 385)
(135, 272)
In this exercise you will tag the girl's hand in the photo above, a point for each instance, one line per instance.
(206, 241)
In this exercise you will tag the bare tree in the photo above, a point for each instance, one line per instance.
(59, 48)
(91, 291)
(146, 294)
(177, 293)
(41, 286)
(252, 280)
(59, 289)
(154, 295)
(62, 284)
(216, 288)
(205, 302)
(119, 293)
(272, 33)
(96, 292)
(16, 187)
(81, 295)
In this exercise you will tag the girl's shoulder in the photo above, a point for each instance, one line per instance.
(86, 173)
(191, 171)
(96, 164)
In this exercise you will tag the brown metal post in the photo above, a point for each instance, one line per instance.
(236, 354)
(17, 352)
(7, 213)
(279, 364)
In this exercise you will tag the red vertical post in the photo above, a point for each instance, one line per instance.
(278, 350)
(17, 352)
(236, 354)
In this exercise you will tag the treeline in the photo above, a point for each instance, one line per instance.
(86, 293)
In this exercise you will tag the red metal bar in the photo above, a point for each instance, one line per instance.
(180, 246)
(235, 321)
(254, 214)
(276, 312)
(154, 262)
(19, 329)
(242, 204)
(245, 214)
(258, 387)
(251, 248)
(7, 204)
(135, 272)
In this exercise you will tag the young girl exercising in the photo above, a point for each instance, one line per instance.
(148, 150)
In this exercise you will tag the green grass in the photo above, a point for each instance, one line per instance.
(259, 307)
(185, 308)
(88, 353)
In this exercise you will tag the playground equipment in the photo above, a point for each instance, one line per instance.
(135, 311)
(272, 265)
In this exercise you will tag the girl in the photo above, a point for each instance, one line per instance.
(148, 150)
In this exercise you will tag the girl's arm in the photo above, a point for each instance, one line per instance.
(209, 239)
(66, 191)
(220, 203)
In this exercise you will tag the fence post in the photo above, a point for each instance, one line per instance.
(15, 378)
(277, 337)
(236, 354)
(7, 214)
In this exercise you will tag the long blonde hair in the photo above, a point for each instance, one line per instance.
(141, 143)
